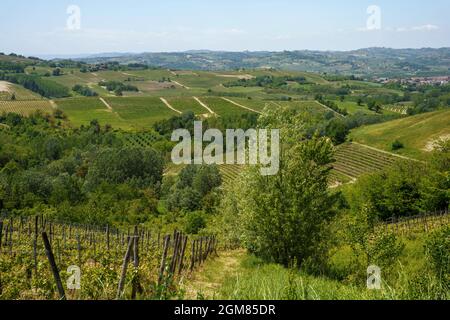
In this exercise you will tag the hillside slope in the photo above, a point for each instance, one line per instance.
(417, 133)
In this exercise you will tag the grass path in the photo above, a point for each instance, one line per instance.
(181, 85)
(208, 279)
(169, 106)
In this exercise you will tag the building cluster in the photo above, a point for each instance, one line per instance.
(441, 80)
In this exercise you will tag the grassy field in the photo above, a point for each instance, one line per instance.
(417, 133)
(140, 112)
(222, 107)
(352, 107)
(8, 89)
(26, 108)
(311, 106)
(81, 111)
(187, 104)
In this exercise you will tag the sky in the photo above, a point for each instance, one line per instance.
(51, 27)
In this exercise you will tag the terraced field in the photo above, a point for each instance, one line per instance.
(81, 111)
(26, 108)
(353, 160)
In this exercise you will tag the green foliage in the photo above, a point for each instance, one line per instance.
(285, 217)
(138, 167)
(195, 221)
(45, 88)
(84, 91)
(117, 87)
(438, 252)
(395, 192)
(371, 246)
(337, 130)
(194, 188)
(397, 145)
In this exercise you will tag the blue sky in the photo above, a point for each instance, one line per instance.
(40, 27)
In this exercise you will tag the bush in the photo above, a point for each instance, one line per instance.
(397, 145)
(194, 223)
(437, 250)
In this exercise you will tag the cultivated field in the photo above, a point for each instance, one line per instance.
(81, 111)
(417, 133)
(26, 108)
(140, 112)
(353, 160)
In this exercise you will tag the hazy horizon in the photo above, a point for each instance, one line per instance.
(73, 28)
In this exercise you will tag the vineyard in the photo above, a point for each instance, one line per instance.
(40, 259)
(230, 173)
(26, 108)
(140, 112)
(140, 139)
(353, 160)
(187, 104)
(81, 111)
(222, 107)
(416, 224)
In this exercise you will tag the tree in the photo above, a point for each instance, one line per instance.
(337, 130)
(286, 217)
(56, 72)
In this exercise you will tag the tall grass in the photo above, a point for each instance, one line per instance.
(260, 281)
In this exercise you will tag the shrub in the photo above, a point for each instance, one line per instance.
(437, 249)
(397, 145)
(194, 223)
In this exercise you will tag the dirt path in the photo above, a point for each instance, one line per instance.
(5, 86)
(386, 152)
(326, 107)
(204, 105)
(240, 105)
(206, 281)
(169, 106)
(53, 104)
(106, 104)
(181, 85)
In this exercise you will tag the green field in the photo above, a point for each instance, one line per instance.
(352, 107)
(81, 111)
(187, 104)
(417, 133)
(222, 107)
(311, 106)
(254, 104)
(140, 112)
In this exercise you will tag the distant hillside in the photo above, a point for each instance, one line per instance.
(374, 62)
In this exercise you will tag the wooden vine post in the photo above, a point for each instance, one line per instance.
(55, 271)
